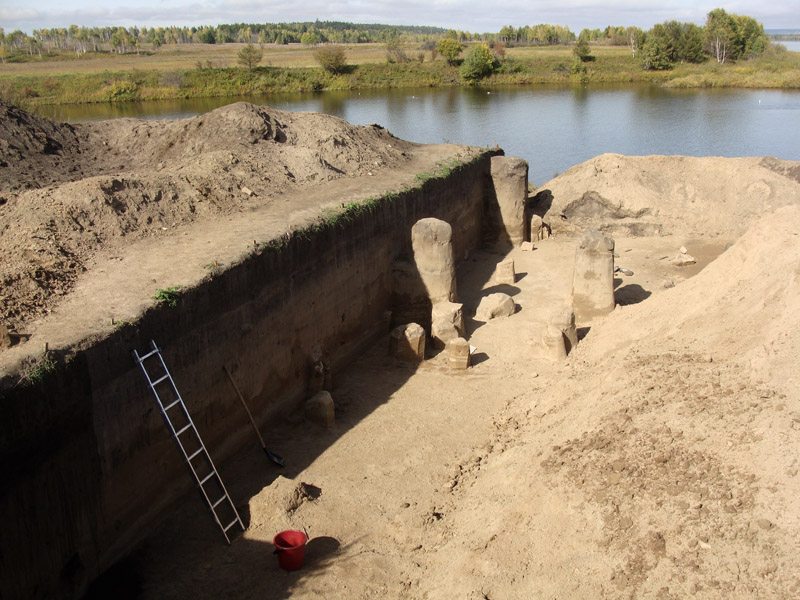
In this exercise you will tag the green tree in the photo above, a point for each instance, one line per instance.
(749, 37)
(310, 38)
(249, 57)
(449, 48)
(331, 58)
(635, 39)
(658, 50)
(479, 62)
(691, 44)
(206, 35)
(656, 54)
(720, 34)
(581, 49)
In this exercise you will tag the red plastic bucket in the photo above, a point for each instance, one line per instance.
(290, 546)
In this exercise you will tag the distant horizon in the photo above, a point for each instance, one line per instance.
(474, 16)
(767, 30)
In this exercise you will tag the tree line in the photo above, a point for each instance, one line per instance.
(131, 39)
(724, 37)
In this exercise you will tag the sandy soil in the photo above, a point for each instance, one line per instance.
(655, 195)
(69, 193)
(659, 461)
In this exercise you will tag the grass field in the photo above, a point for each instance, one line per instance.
(199, 70)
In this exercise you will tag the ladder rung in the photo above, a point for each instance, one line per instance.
(218, 502)
(148, 355)
(182, 429)
(193, 454)
(231, 524)
(159, 380)
(207, 477)
(178, 401)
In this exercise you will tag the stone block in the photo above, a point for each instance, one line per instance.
(447, 322)
(495, 305)
(321, 410)
(553, 344)
(510, 183)
(457, 351)
(504, 272)
(563, 318)
(593, 277)
(407, 342)
(432, 243)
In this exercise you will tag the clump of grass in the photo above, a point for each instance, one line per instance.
(168, 296)
(41, 370)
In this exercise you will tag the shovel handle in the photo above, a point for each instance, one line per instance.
(241, 399)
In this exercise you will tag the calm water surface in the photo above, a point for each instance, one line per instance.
(552, 127)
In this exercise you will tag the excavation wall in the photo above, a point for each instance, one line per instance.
(87, 464)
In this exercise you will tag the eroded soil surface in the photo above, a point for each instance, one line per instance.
(72, 193)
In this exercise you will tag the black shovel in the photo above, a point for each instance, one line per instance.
(277, 459)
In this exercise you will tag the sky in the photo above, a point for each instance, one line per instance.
(469, 15)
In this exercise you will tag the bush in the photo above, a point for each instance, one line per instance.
(656, 54)
(479, 63)
(581, 49)
(395, 52)
(450, 49)
(168, 296)
(331, 58)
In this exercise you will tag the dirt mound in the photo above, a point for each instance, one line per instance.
(689, 456)
(660, 462)
(655, 195)
(33, 151)
(75, 190)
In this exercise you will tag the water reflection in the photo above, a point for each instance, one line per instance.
(552, 127)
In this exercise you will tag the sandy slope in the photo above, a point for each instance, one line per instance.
(653, 195)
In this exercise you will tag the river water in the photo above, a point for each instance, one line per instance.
(551, 127)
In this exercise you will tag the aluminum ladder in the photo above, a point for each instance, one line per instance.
(187, 437)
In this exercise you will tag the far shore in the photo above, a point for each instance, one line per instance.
(202, 70)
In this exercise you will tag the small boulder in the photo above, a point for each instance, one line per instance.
(321, 410)
(554, 345)
(495, 305)
(458, 352)
(563, 319)
(504, 272)
(407, 342)
(447, 322)
(527, 246)
(681, 260)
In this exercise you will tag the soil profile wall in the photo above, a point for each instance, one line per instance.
(87, 463)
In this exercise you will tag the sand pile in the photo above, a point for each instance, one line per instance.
(664, 464)
(656, 195)
(67, 192)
